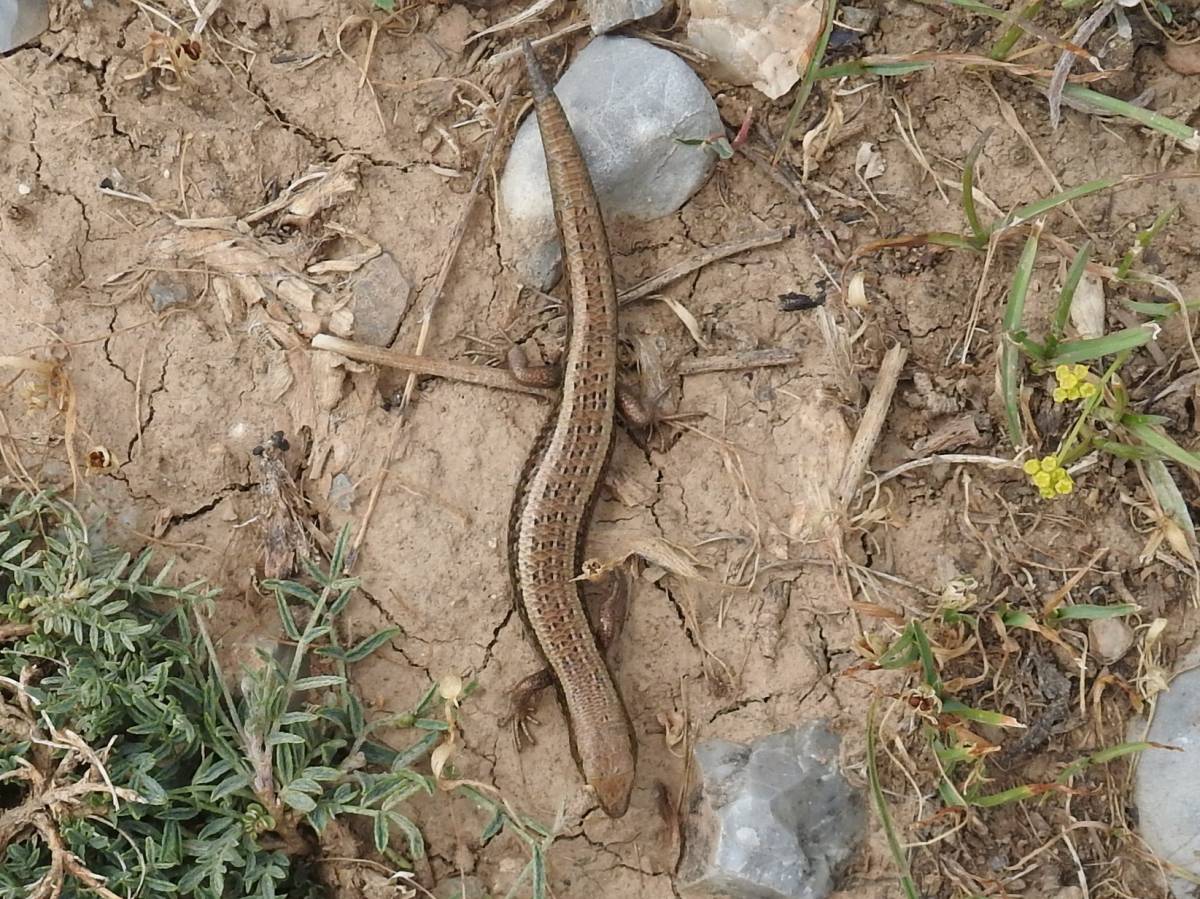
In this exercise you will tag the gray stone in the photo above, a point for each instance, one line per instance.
(166, 290)
(772, 820)
(381, 299)
(341, 492)
(605, 15)
(1167, 791)
(21, 21)
(629, 104)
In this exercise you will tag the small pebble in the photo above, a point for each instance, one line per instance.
(605, 15)
(1183, 58)
(1069, 893)
(1109, 639)
(167, 290)
(381, 299)
(341, 492)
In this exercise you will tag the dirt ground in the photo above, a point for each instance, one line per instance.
(107, 173)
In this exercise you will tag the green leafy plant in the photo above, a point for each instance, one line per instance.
(130, 767)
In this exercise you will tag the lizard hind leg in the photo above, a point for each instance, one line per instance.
(606, 612)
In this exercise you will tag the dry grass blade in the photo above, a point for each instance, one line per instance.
(530, 12)
(1062, 68)
(709, 256)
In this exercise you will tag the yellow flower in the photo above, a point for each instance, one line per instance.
(1066, 376)
(1048, 476)
(1073, 383)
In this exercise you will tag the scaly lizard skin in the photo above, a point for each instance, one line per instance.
(561, 481)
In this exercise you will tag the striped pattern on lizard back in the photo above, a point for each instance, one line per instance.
(562, 478)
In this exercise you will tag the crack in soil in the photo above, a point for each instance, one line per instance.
(603, 849)
(207, 506)
(496, 631)
(404, 632)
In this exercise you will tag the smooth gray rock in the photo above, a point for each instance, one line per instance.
(772, 820)
(21, 21)
(627, 101)
(605, 15)
(381, 298)
(1167, 790)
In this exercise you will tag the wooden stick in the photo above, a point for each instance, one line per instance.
(766, 358)
(499, 379)
(714, 254)
(496, 378)
(871, 425)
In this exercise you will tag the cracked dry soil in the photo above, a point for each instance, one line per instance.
(180, 398)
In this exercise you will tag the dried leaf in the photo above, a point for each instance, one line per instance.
(868, 162)
(856, 292)
(1088, 307)
(439, 758)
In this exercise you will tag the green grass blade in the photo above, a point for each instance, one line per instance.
(1071, 351)
(1015, 794)
(1162, 444)
(968, 190)
(1009, 40)
(1106, 755)
(1143, 240)
(1063, 311)
(865, 66)
(1159, 310)
(902, 653)
(1169, 497)
(1092, 612)
(881, 810)
(806, 82)
(983, 716)
(1182, 132)
(925, 653)
(1010, 355)
(1037, 208)
(1124, 450)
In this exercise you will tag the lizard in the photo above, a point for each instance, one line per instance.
(558, 489)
